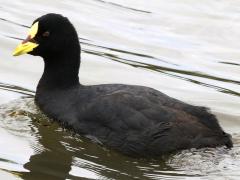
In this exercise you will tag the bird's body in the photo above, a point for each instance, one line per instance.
(135, 120)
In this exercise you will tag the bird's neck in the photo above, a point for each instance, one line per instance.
(60, 72)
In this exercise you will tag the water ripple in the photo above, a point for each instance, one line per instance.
(17, 89)
(124, 7)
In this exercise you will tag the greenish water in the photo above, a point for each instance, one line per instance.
(186, 49)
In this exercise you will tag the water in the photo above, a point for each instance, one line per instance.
(187, 49)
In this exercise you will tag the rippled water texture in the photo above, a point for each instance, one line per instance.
(187, 49)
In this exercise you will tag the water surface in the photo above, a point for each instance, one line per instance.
(186, 49)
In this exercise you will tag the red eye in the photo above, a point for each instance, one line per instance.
(46, 34)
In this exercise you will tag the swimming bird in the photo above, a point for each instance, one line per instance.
(135, 120)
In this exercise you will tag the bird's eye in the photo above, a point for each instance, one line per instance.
(46, 34)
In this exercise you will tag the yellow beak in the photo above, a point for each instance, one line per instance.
(27, 46)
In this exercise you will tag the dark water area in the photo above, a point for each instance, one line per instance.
(186, 49)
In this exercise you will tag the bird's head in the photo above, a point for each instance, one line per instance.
(50, 35)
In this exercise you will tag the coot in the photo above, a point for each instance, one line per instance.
(135, 120)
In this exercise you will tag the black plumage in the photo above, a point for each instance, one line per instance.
(135, 120)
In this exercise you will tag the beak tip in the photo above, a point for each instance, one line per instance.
(14, 54)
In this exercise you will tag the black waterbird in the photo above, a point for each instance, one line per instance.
(135, 120)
